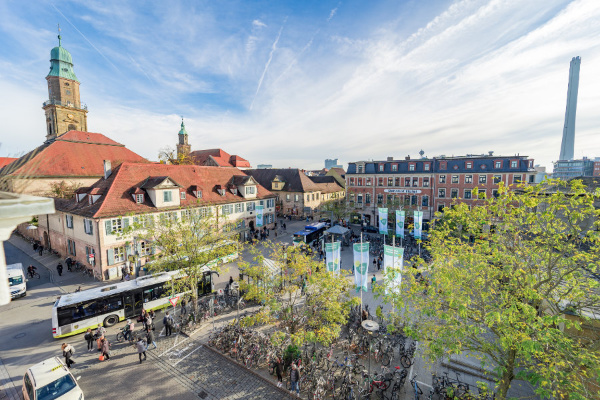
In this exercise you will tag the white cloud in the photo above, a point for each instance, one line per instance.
(258, 24)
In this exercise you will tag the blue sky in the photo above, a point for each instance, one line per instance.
(291, 83)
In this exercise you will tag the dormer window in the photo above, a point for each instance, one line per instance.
(250, 189)
(139, 198)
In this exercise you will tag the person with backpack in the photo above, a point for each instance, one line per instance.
(68, 351)
(69, 262)
(89, 337)
(141, 349)
(150, 339)
(100, 332)
(168, 322)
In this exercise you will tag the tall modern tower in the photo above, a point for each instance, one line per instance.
(568, 139)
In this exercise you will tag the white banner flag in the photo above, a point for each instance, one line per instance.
(361, 265)
(400, 216)
(393, 259)
(332, 256)
(259, 216)
(418, 224)
(383, 220)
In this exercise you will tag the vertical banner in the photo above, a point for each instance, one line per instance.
(383, 220)
(332, 256)
(361, 265)
(393, 259)
(259, 216)
(418, 224)
(400, 216)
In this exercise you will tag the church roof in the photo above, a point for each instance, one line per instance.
(61, 63)
(182, 131)
(74, 154)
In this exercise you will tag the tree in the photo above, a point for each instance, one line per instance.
(276, 282)
(340, 209)
(514, 281)
(189, 244)
(168, 155)
(63, 190)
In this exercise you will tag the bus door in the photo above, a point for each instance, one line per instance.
(134, 302)
(205, 284)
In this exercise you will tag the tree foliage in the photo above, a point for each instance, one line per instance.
(188, 243)
(339, 208)
(168, 155)
(276, 282)
(514, 281)
(63, 190)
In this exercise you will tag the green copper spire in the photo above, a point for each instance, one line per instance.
(61, 62)
(182, 131)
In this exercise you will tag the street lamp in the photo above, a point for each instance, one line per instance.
(370, 326)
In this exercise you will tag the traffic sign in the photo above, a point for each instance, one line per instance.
(174, 300)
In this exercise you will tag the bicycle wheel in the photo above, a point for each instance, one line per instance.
(36, 275)
(385, 359)
(405, 361)
(120, 337)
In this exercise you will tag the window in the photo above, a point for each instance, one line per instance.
(251, 206)
(482, 178)
(368, 198)
(317, 196)
(454, 193)
(469, 164)
(287, 197)
(368, 181)
(497, 164)
(228, 209)
(167, 196)
(425, 182)
(380, 182)
(69, 220)
(186, 215)
(394, 167)
(379, 198)
(296, 197)
(397, 181)
(495, 193)
(239, 207)
(88, 251)
(139, 198)
(425, 201)
(308, 197)
(411, 167)
(441, 207)
(390, 181)
(381, 167)
(442, 178)
(390, 199)
(454, 178)
(407, 182)
(359, 198)
(415, 182)
(468, 178)
(443, 165)
(250, 189)
(441, 193)
(351, 197)
(182, 194)
(531, 178)
(406, 199)
(413, 200)
(497, 179)
(516, 178)
(88, 226)
(530, 163)
(360, 169)
(514, 164)
(116, 225)
(71, 247)
(467, 193)
(198, 194)
(205, 212)
(426, 166)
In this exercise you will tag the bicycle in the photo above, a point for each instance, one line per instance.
(417, 390)
(33, 275)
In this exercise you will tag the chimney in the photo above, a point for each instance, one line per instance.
(107, 169)
(491, 153)
(407, 158)
(390, 158)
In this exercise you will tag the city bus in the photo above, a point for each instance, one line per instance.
(76, 312)
(310, 233)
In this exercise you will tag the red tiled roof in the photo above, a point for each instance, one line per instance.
(6, 160)
(73, 154)
(220, 157)
(128, 177)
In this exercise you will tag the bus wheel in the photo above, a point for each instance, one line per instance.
(111, 320)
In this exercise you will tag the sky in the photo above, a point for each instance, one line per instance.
(291, 83)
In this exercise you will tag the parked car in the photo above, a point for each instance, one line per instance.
(371, 229)
(50, 380)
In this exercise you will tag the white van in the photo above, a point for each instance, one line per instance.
(16, 280)
(50, 380)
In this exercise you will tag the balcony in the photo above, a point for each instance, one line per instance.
(65, 104)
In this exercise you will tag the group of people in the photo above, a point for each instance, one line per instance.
(294, 375)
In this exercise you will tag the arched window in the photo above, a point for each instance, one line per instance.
(72, 127)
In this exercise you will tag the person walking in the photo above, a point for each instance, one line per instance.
(183, 307)
(69, 263)
(100, 332)
(150, 339)
(278, 371)
(35, 247)
(89, 337)
(294, 379)
(373, 282)
(123, 272)
(141, 349)
(168, 323)
(105, 348)
(68, 351)
(40, 249)
(59, 268)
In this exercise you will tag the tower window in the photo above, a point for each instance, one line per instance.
(66, 83)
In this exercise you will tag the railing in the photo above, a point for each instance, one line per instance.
(65, 104)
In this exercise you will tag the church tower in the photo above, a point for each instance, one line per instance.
(64, 111)
(183, 148)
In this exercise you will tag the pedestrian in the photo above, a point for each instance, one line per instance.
(168, 322)
(40, 249)
(105, 348)
(278, 371)
(148, 322)
(78, 289)
(150, 339)
(129, 329)
(378, 264)
(123, 272)
(35, 247)
(89, 337)
(183, 307)
(284, 226)
(68, 351)
(100, 332)
(59, 268)
(374, 263)
(320, 255)
(373, 281)
(69, 263)
(31, 270)
(294, 379)
(141, 349)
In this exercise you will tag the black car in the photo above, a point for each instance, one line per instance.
(371, 229)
